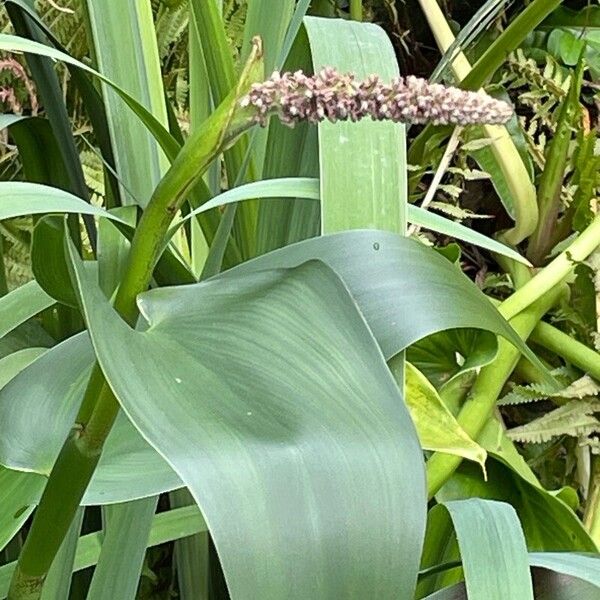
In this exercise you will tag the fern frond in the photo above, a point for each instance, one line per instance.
(522, 394)
(573, 419)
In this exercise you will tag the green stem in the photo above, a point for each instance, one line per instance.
(356, 10)
(72, 471)
(79, 456)
(484, 393)
(549, 277)
(570, 349)
(591, 517)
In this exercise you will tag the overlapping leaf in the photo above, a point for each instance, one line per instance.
(262, 405)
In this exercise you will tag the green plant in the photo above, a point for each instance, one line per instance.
(265, 368)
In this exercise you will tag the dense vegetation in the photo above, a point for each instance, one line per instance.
(335, 360)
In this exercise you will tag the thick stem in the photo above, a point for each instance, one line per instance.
(72, 471)
(549, 277)
(570, 349)
(484, 393)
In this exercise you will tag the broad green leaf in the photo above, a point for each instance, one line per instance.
(392, 284)
(129, 467)
(261, 416)
(18, 494)
(492, 548)
(22, 304)
(58, 581)
(374, 195)
(134, 67)
(437, 428)
(126, 531)
(405, 290)
(548, 523)
(166, 527)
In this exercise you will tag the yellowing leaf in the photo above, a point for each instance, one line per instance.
(437, 428)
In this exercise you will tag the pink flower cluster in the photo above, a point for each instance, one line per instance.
(332, 96)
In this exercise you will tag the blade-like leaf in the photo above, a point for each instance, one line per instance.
(13, 364)
(123, 548)
(270, 22)
(168, 143)
(492, 548)
(549, 524)
(135, 67)
(374, 197)
(192, 556)
(429, 220)
(18, 199)
(22, 304)
(308, 188)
